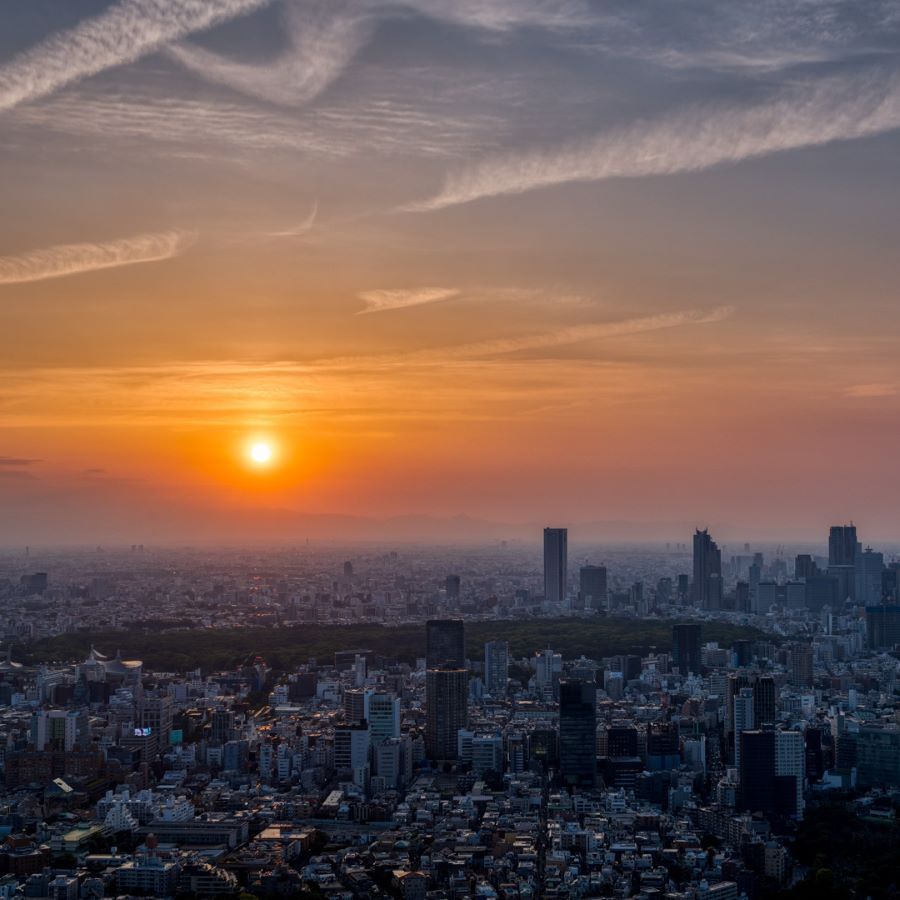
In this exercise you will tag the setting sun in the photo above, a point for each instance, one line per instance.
(261, 453)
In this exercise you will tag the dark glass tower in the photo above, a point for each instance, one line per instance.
(556, 561)
(445, 643)
(577, 732)
(686, 648)
(707, 586)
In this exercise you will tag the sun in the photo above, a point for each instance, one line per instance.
(261, 453)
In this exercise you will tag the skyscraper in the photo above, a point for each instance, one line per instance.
(446, 711)
(743, 719)
(707, 586)
(496, 668)
(445, 643)
(592, 586)
(842, 545)
(802, 665)
(451, 586)
(686, 648)
(556, 554)
(868, 573)
(577, 731)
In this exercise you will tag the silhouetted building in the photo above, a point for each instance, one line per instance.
(707, 585)
(686, 648)
(556, 561)
(842, 545)
(592, 586)
(445, 643)
(496, 668)
(451, 586)
(883, 626)
(577, 731)
(446, 711)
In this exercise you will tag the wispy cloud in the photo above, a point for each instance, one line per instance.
(379, 301)
(71, 259)
(573, 334)
(123, 33)
(300, 229)
(322, 37)
(17, 461)
(805, 115)
(876, 390)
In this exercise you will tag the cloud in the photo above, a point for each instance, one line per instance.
(72, 259)
(804, 115)
(592, 331)
(871, 391)
(17, 461)
(379, 301)
(123, 33)
(322, 37)
(300, 229)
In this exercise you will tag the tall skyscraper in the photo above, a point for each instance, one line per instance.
(883, 626)
(743, 719)
(383, 716)
(686, 648)
(771, 772)
(446, 711)
(496, 668)
(802, 665)
(556, 554)
(842, 545)
(592, 586)
(707, 586)
(868, 573)
(451, 586)
(445, 643)
(577, 731)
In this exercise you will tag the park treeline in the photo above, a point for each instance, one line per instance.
(287, 646)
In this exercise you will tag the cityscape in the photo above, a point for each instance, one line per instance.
(704, 715)
(449, 449)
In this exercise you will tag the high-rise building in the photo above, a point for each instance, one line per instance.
(805, 566)
(451, 587)
(351, 746)
(686, 648)
(356, 704)
(707, 585)
(883, 626)
(592, 586)
(446, 710)
(868, 572)
(802, 665)
(771, 772)
(496, 668)
(445, 643)
(156, 714)
(383, 716)
(577, 731)
(743, 719)
(842, 545)
(556, 555)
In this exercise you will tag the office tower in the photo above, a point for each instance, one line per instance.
(869, 576)
(804, 566)
(445, 643)
(878, 756)
(790, 770)
(592, 586)
(496, 668)
(742, 597)
(356, 704)
(663, 747)
(821, 590)
(577, 732)
(802, 665)
(743, 719)
(451, 587)
(221, 726)
(842, 545)
(59, 729)
(555, 564)
(764, 710)
(883, 626)
(446, 711)
(348, 570)
(707, 586)
(383, 716)
(754, 576)
(351, 746)
(757, 790)
(156, 714)
(686, 648)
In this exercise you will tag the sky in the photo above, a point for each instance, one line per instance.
(468, 267)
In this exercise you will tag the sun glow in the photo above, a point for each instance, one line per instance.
(261, 453)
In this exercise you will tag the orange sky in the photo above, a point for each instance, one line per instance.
(485, 261)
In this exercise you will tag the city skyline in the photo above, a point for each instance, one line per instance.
(415, 253)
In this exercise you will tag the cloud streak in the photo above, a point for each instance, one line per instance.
(123, 33)
(805, 115)
(72, 259)
(323, 38)
(380, 301)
